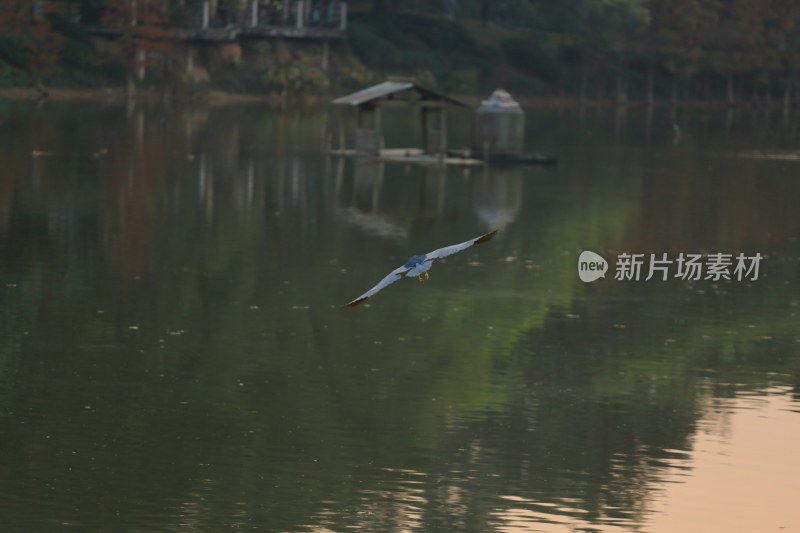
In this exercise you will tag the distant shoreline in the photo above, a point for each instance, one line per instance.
(117, 94)
(29, 93)
(215, 97)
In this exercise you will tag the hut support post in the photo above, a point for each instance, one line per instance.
(424, 123)
(443, 126)
(368, 134)
(300, 7)
(379, 129)
(343, 16)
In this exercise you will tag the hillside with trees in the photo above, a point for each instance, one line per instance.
(607, 50)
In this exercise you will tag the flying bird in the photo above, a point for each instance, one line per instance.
(419, 265)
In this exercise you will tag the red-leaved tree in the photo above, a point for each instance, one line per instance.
(144, 34)
(41, 47)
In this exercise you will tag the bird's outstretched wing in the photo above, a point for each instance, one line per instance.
(450, 250)
(396, 274)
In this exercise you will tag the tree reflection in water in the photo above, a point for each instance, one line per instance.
(172, 354)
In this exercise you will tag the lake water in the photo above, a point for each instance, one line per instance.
(174, 355)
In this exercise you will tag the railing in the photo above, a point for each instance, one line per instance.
(298, 14)
(228, 20)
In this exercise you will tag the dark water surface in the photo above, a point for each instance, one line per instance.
(174, 357)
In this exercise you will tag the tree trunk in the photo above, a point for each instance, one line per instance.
(622, 91)
(731, 95)
(582, 89)
(728, 120)
(787, 96)
(674, 96)
(140, 59)
(601, 89)
(43, 93)
(130, 87)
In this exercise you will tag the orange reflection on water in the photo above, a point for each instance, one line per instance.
(741, 475)
(746, 480)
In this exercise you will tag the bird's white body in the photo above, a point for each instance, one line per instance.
(419, 265)
(419, 270)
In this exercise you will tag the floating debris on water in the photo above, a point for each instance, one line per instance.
(775, 155)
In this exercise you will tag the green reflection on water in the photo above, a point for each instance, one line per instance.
(173, 353)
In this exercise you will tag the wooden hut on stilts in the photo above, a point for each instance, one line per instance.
(370, 103)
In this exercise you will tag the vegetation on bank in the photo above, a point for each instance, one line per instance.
(52, 49)
(605, 49)
(619, 50)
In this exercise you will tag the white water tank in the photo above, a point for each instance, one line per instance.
(499, 125)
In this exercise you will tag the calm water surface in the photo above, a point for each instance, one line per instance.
(174, 357)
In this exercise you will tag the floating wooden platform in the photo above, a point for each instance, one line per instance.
(507, 159)
(464, 158)
(414, 156)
